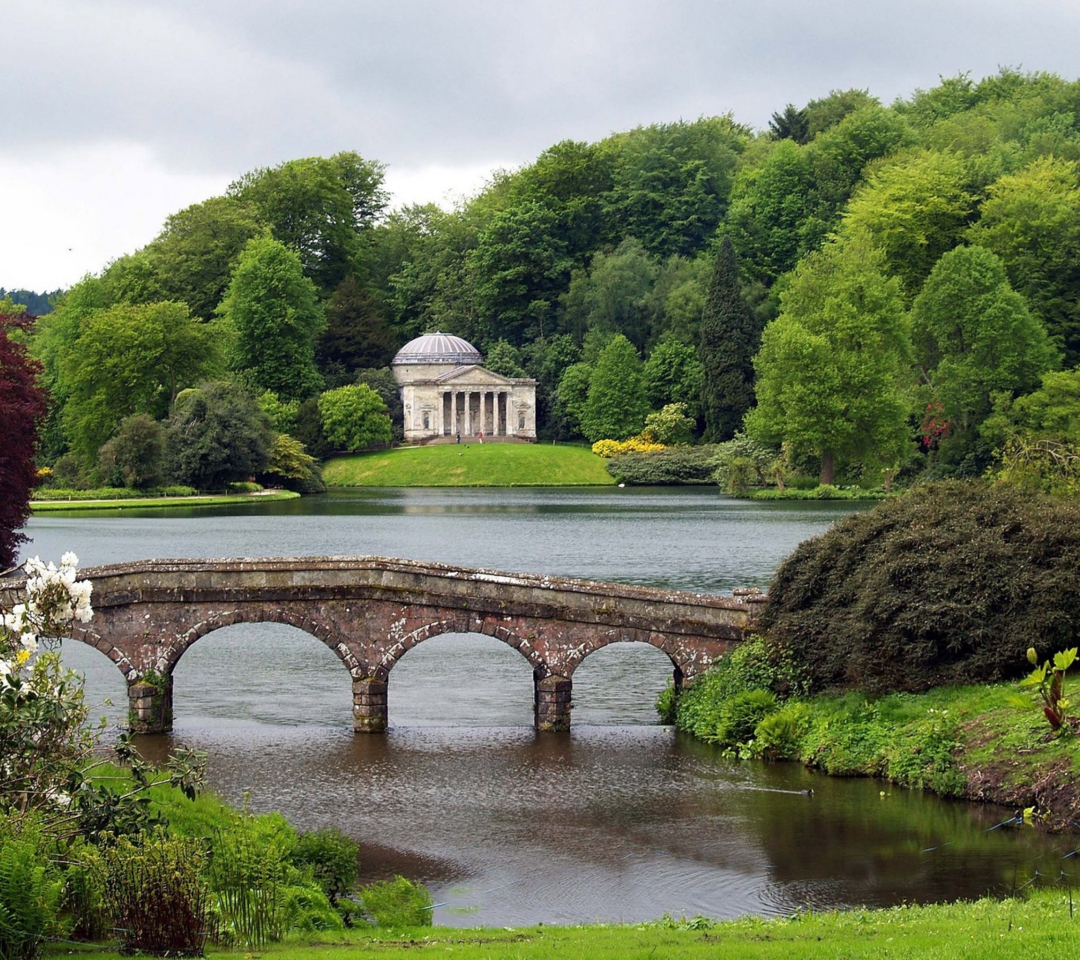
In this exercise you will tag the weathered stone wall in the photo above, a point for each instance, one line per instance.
(371, 610)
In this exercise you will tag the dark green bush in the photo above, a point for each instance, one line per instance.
(950, 583)
(671, 466)
(740, 715)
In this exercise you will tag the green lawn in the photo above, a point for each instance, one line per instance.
(471, 465)
(1040, 928)
(128, 503)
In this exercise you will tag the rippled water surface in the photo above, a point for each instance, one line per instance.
(620, 819)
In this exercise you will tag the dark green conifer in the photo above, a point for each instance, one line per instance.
(730, 335)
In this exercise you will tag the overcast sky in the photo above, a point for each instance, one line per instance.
(117, 113)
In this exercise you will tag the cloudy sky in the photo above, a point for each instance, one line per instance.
(117, 113)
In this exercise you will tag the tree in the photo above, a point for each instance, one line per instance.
(135, 455)
(273, 314)
(833, 365)
(318, 208)
(356, 335)
(505, 360)
(130, 358)
(915, 208)
(194, 255)
(670, 425)
(23, 406)
(616, 404)
(1031, 220)
(290, 466)
(572, 396)
(217, 433)
(674, 374)
(354, 418)
(729, 339)
(792, 124)
(974, 336)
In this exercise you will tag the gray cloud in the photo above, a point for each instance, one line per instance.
(221, 86)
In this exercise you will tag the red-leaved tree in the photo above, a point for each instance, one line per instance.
(23, 405)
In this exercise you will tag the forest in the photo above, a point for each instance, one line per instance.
(862, 293)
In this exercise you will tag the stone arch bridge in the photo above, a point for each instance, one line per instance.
(371, 610)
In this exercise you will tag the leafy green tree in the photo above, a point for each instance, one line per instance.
(318, 208)
(272, 312)
(573, 394)
(671, 183)
(826, 112)
(545, 361)
(613, 295)
(354, 418)
(1031, 220)
(130, 358)
(974, 336)
(194, 255)
(729, 339)
(290, 466)
(216, 434)
(356, 335)
(135, 454)
(1051, 412)
(833, 365)
(678, 297)
(383, 382)
(674, 374)
(504, 359)
(616, 404)
(775, 218)
(915, 208)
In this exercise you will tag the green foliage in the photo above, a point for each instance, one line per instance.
(126, 360)
(1039, 466)
(505, 360)
(354, 418)
(669, 426)
(730, 335)
(667, 704)
(272, 313)
(616, 404)
(674, 374)
(671, 466)
(332, 858)
(942, 585)
(974, 336)
(113, 493)
(397, 903)
(741, 463)
(356, 335)
(156, 894)
(215, 434)
(289, 466)
(779, 735)
(1049, 685)
(740, 715)
(135, 455)
(832, 367)
(30, 889)
(281, 414)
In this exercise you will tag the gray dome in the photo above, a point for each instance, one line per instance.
(438, 348)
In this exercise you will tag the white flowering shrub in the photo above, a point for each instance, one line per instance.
(43, 738)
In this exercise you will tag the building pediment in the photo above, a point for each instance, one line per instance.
(471, 376)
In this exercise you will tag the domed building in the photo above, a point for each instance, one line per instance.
(446, 392)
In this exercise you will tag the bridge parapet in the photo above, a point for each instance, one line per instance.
(371, 610)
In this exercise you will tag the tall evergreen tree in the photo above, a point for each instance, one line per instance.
(730, 335)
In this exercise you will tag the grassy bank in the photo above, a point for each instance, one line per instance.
(471, 465)
(128, 503)
(1040, 927)
(972, 742)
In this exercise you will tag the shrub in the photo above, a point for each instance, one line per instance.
(157, 898)
(244, 486)
(307, 908)
(332, 859)
(740, 716)
(672, 465)
(779, 734)
(616, 448)
(397, 903)
(947, 584)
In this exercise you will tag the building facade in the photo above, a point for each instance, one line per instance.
(446, 392)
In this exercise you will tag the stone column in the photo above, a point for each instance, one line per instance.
(369, 705)
(150, 704)
(483, 410)
(552, 702)
(468, 413)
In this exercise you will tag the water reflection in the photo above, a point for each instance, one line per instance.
(621, 819)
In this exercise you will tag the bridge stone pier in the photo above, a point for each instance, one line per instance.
(372, 610)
